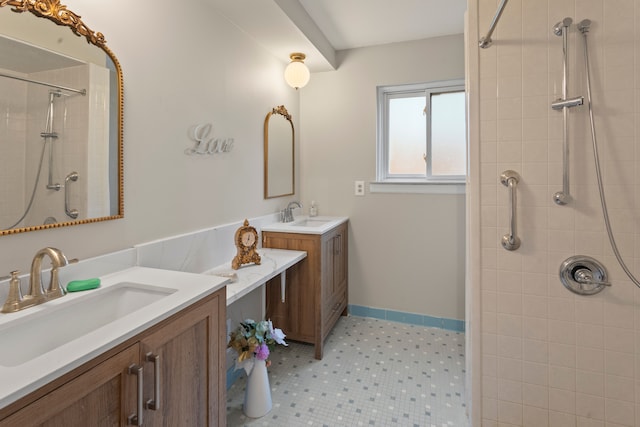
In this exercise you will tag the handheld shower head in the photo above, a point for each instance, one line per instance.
(584, 26)
(558, 29)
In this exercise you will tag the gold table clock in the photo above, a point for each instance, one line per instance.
(246, 240)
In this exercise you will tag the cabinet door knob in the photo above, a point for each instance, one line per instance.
(154, 404)
(137, 419)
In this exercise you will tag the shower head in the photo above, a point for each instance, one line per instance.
(58, 93)
(560, 26)
(584, 26)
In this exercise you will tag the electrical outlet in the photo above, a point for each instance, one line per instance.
(359, 188)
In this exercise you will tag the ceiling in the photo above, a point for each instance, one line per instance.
(319, 28)
(21, 57)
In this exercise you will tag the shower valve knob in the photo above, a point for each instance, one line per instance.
(583, 275)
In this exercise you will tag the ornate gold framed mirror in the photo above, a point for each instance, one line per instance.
(62, 141)
(279, 158)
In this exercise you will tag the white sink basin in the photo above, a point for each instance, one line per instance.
(310, 222)
(34, 335)
(307, 225)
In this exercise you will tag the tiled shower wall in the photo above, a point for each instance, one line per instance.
(549, 357)
(12, 134)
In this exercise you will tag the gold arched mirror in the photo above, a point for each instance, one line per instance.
(278, 154)
(61, 98)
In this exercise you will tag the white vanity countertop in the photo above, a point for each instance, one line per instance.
(307, 225)
(20, 379)
(251, 276)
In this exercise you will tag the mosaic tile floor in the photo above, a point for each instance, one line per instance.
(373, 373)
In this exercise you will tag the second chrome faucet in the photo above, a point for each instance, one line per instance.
(287, 214)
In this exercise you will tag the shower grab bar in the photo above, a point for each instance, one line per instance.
(71, 213)
(510, 179)
(80, 91)
(486, 41)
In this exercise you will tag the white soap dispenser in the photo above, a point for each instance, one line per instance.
(313, 209)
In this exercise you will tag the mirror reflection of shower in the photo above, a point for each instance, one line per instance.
(49, 137)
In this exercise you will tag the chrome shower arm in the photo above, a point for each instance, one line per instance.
(486, 41)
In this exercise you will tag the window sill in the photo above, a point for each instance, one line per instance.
(418, 187)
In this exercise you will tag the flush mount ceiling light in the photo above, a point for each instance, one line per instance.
(297, 74)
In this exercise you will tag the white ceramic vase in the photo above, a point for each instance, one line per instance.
(257, 396)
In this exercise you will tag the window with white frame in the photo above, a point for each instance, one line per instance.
(422, 133)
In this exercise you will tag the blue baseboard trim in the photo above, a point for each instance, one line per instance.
(410, 318)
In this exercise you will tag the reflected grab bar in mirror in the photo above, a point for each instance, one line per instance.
(510, 179)
(72, 213)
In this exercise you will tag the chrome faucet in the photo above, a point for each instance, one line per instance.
(37, 294)
(287, 215)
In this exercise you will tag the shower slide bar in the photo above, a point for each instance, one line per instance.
(510, 179)
(562, 29)
(486, 41)
(80, 91)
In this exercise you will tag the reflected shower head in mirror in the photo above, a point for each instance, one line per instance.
(584, 25)
(560, 26)
(58, 93)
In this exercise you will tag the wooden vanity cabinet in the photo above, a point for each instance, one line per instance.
(101, 396)
(191, 348)
(316, 288)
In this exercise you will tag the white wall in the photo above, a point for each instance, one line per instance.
(549, 357)
(182, 66)
(181, 69)
(406, 251)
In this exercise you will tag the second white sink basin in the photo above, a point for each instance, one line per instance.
(307, 225)
(31, 336)
(310, 222)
